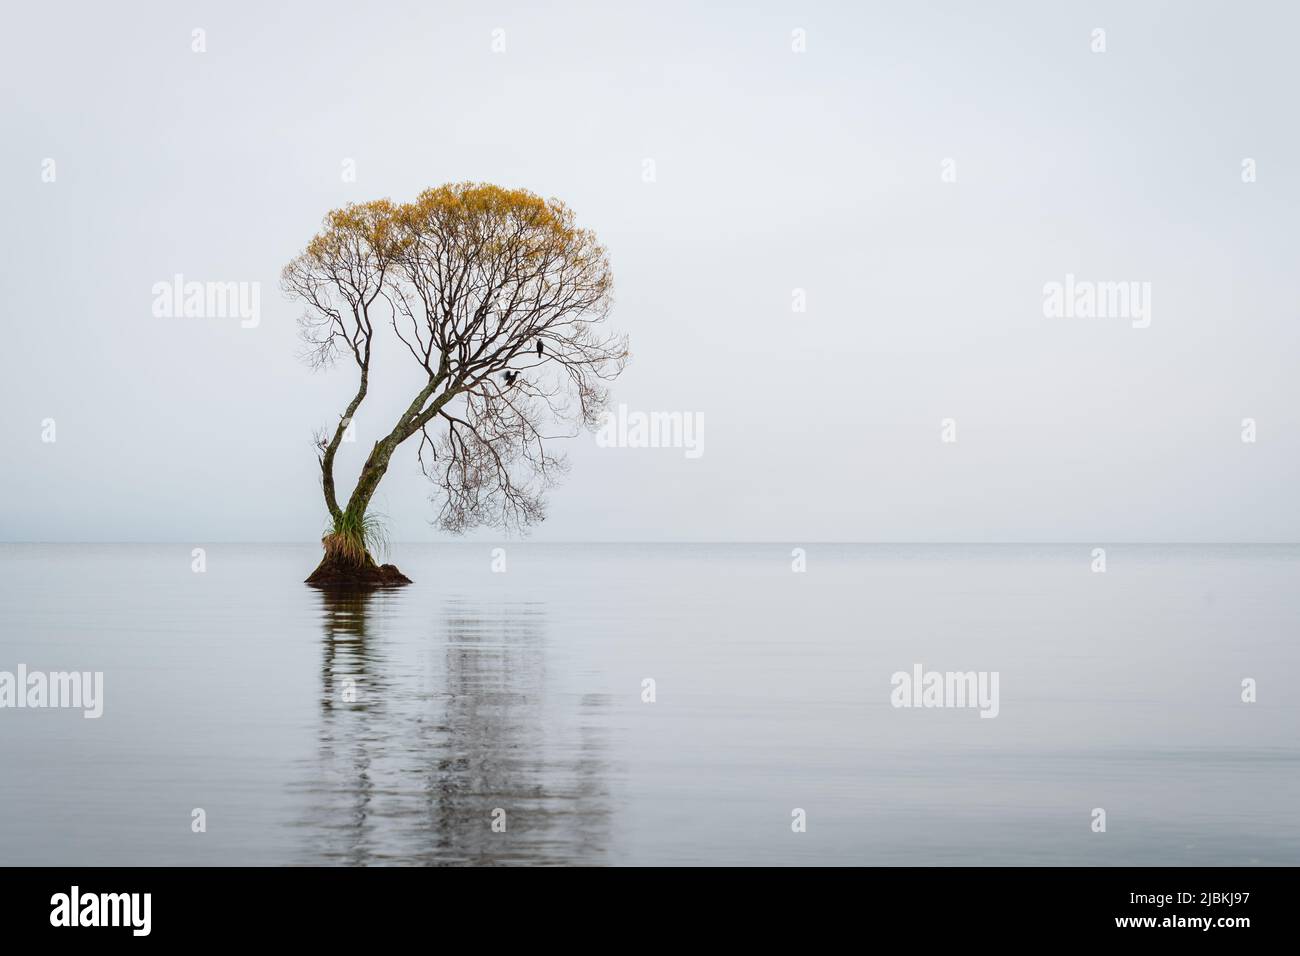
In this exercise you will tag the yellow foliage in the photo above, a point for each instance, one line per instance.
(476, 209)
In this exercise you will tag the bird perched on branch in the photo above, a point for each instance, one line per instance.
(510, 377)
(539, 348)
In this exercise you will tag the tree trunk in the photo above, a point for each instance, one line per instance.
(348, 564)
(375, 468)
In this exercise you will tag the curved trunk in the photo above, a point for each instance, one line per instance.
(375, 468)
(347, 562)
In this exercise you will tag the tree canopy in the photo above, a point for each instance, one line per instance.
(500, 299)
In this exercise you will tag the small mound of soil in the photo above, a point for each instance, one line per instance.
(334, 573)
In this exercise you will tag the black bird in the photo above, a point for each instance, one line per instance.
(510, 377)
(539, 348)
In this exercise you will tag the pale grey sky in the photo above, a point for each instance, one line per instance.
(775, 170)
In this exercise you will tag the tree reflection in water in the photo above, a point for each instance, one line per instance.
(424, 735)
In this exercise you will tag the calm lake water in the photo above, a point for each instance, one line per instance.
(232, 691)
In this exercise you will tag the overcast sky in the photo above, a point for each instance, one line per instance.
(775, 170)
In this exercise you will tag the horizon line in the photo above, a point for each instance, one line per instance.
(1102, 542)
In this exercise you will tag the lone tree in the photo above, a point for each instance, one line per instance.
(499, 298)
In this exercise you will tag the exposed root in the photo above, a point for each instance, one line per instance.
(347, 564)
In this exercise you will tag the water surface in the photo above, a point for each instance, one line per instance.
(388, 729)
